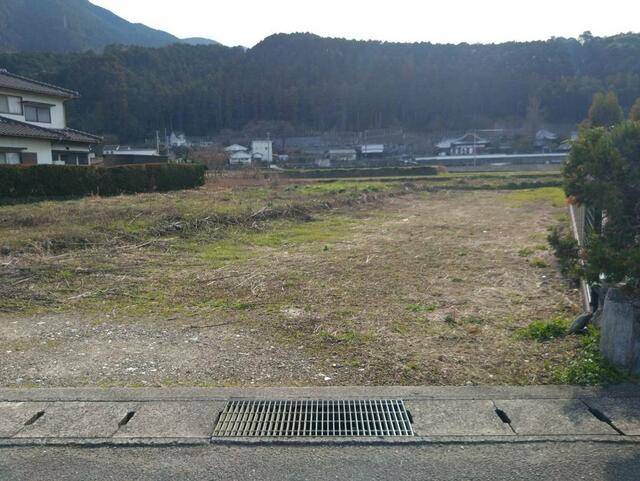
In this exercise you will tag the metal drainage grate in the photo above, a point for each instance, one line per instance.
(354, 418)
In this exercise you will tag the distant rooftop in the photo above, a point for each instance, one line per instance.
(12, 81)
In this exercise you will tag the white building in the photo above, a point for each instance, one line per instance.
(342, 155)
(371, 150)
(232, 149)
(262, 150)
(468, 144)
(177, 140)
(240, 158)
(126, 150)
(33, 126)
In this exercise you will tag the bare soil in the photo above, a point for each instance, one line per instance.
(423, 288)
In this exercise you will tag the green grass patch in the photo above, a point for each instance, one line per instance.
(224, 252)
(338, 187)
(589, 367)
(422, 307)
(538, 262)
(554, 195)
(542, 331)
(473, 320)
(243, 244)
(230, 304)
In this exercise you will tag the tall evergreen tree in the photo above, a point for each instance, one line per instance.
(605, 110)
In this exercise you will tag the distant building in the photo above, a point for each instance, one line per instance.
(342, 155)
(545, 140)
(322, 163)
(565, 145)
(468, 144)
(232, 149)
(33, 125)
(127, 150)
(126, 155)
(262, 150)
(371, 150)
(177, 140)
(240, 158)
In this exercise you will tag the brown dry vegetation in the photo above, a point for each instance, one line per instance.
(265, 282)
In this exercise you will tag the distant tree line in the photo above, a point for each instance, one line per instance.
(323, 84)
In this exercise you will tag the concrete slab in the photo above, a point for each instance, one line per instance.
(78, 420)
(14, 415)
(456, 418)
(172, 420)
(544, 417)
(624, 413)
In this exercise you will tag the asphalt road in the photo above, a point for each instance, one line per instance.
(512, 462)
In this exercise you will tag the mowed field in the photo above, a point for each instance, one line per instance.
(252, 281)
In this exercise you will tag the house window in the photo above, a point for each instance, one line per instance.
(10, 105)
(71, 158)
(36, 113)
(9, 158)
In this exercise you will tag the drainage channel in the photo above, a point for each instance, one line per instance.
(314, 418)
(600, 416)
(504, 417)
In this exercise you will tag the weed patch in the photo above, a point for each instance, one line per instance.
(589, 367)
(542, 331)
(422, 307)
(538, 262)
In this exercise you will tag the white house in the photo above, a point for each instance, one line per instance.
(240, 158)
(262, 150)
(232, 149)
(468, 144)
(33, 126)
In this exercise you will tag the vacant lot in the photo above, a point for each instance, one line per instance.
(375, 282)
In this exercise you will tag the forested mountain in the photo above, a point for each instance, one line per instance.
(323, 84)
(71, 26)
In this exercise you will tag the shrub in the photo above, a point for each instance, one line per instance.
(566, 250)
(63, 180)
(362, 172)
(545, 330)
(603, 173)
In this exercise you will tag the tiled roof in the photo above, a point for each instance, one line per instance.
(15, 128)
(17, 82)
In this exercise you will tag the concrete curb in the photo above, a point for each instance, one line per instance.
(440, 415)
(346, 392)
(415, 441)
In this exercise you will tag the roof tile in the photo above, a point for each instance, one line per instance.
(12, 81)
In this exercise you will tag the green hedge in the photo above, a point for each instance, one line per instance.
(65, 180)
(362, 172)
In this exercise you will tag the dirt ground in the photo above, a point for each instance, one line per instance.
(423, 288)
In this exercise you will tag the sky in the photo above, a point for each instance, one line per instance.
(247, 22)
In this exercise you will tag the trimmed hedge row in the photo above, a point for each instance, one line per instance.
(362, 172)
(65, 180)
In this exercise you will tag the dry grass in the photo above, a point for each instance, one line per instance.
(367, 283)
